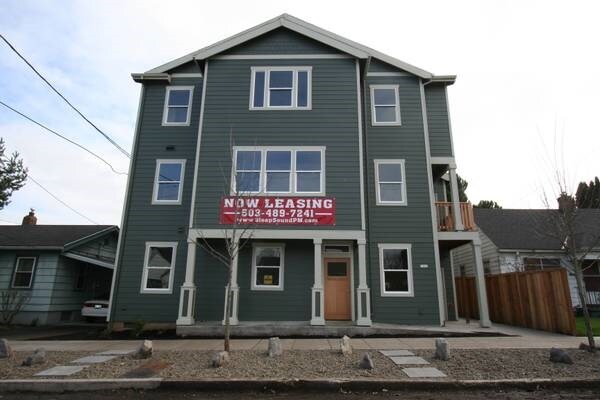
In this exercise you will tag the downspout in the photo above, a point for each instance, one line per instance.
(367, 181)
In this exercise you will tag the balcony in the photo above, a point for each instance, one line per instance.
(446, 219)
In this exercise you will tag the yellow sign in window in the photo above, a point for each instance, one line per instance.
(267, 279)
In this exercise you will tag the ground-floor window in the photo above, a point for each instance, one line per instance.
(267, 267)
(23, 277)
(159, 264)
(395, 263)
(537, 264)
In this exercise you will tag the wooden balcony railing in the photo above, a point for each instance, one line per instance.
(445, 216)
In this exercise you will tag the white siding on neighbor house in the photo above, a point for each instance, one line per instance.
(463, 255)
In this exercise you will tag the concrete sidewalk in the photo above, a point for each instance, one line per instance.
(533, 341)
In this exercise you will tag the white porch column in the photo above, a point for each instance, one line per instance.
(458, 224)
(235, 294)
(317, 307)
(187, 298)
(363, 299)
(484, 315)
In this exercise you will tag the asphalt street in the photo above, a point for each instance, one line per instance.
(587, 394)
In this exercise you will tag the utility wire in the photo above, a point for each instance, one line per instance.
(65, 99)
(60, 201)
(63, 137)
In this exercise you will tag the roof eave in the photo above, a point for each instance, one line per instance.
(146, 76)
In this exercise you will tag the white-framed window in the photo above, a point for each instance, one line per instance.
(281, 88)
(396, 272)
(178, 106)
(159, 267)
(279, 170)
(267, 266)
(24, 269)
(390, 182)
(168, 181)
(385, 105)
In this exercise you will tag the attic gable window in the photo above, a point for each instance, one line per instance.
(280, 88)
(385, 105)
(178, 106)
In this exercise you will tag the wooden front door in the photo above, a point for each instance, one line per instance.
(337, 289)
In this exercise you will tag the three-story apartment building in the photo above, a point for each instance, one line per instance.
(336, 159)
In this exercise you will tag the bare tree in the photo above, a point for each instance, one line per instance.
(11, 303)
(235, 237)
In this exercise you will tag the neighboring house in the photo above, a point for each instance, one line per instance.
(57, 266)
(340, 152)
(524, 240)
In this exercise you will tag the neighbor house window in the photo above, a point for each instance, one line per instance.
(536, 264)
(281, 88)
(279, 170)
(267, 267)
(168, 181)
(159, 265)
(396, 270)
(385, 105)
(390, 182)
(178, 105)
(23, 277)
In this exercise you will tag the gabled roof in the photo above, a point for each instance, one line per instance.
(301, 27)
(50, 237)
(534, 229)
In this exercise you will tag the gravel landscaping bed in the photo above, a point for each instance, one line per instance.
(315, 364)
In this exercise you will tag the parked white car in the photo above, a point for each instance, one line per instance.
(95, 309)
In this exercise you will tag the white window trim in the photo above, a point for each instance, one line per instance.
(32, 272)
(262, 181)
(189, 106)
(159, 162)
(169, 290)
(396, 246)
(374, 121)
(380, 202)
(266, 95)
(253, 285)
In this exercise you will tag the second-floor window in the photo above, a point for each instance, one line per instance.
(390, 182)
(385, 105)
(280, 88)
(178, 105)
(279, 170)
(168, 182)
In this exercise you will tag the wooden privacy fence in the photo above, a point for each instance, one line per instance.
(531, 299)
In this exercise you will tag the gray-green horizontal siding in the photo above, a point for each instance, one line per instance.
(281, 41)
(409, 224)
(332, 123)
(440, 141)
(147, 222)
(379, 66)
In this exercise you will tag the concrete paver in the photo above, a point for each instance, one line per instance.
(409, 360)
(116, 352)
(61, 370)
(396, 353)
(428, 372)
(93, 359)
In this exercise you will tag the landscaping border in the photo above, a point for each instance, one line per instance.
(287, 385)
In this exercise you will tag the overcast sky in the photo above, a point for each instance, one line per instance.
(527, 84)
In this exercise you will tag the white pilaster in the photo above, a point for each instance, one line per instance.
(317, 300)
(458, 224)
(484, 315)
(187, 298)
(235, 294)
(362, 292)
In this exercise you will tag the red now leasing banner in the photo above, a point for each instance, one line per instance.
(278, 210)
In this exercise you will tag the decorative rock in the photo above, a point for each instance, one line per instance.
(275, 347)
(38, 357)
(5, 350)
(442, 352)
(560, 356)
(219, 359)
(366, 362)
(345, 345)
(145, 350)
